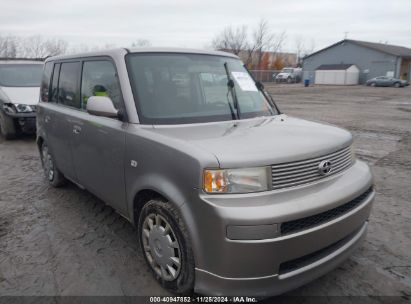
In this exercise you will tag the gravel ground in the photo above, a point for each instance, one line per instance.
(67, 242)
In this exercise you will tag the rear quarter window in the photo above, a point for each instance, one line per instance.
(45, 82)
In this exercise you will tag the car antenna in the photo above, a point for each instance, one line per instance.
(231, 87)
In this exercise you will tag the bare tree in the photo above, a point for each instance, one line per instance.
(141, 43)
(263, 39)
(8, 46)
(56, 47)
(32, 47)
(299, 46)
(231, 38)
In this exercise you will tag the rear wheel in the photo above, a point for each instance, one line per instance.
(53, 175)
(397, 85)
(7, 127)
(165, 243)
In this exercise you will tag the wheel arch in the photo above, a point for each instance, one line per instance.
(39, 142)
(141, 198)
(145, 194)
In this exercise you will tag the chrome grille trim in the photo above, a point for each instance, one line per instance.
(306, 171)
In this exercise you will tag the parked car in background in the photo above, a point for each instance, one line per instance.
(289, 75)
(19, 95)
(385, 81)
(230, 196)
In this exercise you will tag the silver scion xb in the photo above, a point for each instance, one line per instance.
(230, 196)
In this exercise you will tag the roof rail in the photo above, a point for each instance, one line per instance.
(17, 58)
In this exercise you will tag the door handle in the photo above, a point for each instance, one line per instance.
(76, 129)
(47, 119)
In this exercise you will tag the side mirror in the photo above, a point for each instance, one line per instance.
(101, 106)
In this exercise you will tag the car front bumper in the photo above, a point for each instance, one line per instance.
(25, 121)
(266, 266)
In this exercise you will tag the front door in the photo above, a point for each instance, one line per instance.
(99, 142)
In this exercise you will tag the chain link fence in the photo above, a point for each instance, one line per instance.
(265, 75)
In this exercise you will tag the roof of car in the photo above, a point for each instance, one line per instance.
(120, 51)
(6, 60)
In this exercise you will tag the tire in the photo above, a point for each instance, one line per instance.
(52, 174)
(397, 84)
(158, 248)
(7, 127)
(289, 80)
(373, 84)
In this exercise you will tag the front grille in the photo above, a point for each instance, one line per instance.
(301, 172)
(318, 219)
(314, 256)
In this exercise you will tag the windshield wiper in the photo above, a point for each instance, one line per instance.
(233, 117)
(231, 87)
(266, 94)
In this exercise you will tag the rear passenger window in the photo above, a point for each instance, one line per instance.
(54, 83)
(68, 84)
(45, 82)
(99, 79)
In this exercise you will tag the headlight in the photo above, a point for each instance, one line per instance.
(22, 108)
(236, 180)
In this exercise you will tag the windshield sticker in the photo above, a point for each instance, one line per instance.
(244, 80)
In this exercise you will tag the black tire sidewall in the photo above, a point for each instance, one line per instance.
(58, 178)
(185, 281)
(7, 128)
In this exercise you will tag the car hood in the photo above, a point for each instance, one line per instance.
(24, 95)
(261, 141)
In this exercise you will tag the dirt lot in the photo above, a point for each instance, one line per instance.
(66, 242)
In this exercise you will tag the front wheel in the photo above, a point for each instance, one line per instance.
(53, 175)
(166, 246)
(373, 84)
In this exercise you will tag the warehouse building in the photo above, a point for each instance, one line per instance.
(371, 59)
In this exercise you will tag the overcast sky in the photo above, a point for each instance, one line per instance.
(193, 23)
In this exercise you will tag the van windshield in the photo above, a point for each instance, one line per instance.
(172, 88)
(20, 75)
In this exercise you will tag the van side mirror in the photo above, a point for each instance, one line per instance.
(101, 106)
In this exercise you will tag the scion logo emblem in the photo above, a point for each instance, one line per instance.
(325, 167)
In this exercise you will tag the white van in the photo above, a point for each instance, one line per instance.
(19, 94)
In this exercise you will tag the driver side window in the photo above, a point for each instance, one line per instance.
(99, 79)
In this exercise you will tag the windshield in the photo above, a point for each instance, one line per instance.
(287, 70)
(20, 75)
(187, 88)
